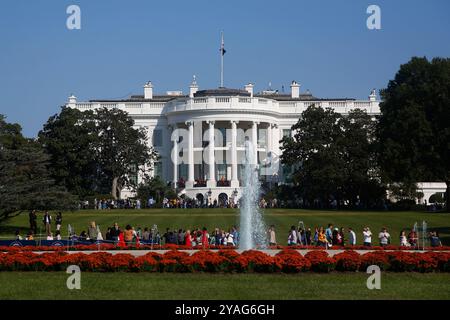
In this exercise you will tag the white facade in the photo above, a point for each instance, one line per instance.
(430, 188)
(228, 115)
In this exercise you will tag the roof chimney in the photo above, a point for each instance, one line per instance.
(193, 88)
(373, 95)
(249, 88)
(148, 90)
(72, 99)
(295, 90)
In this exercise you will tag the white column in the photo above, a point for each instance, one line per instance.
(211, 159)
(269, 138)
(234, 164)
(175, 154)
(190, 182)
(255, 140)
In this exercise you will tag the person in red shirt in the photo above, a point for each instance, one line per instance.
(187, 239)
(205, 241)
(121, 240)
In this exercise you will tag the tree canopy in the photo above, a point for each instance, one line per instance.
(333, 157)
(25, 182)
(96, 152)
(414, 126)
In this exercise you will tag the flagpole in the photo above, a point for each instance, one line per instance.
(221, 61)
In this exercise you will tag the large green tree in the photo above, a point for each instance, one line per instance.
(414, 126)
(122, 151)
(96, 152)
(25, 182)
(357, 147)
(314, 154)
(334, 157)
(69, 140)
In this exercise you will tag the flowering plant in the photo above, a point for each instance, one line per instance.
(320, 261)
(286, 261)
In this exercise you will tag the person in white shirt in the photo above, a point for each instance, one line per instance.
(403, 240)
(230, 239)
(292, 238)
(272, 236)
(18, 236)
(367, 235)
(352, 237)
(384, 237)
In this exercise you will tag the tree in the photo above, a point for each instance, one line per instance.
(96, 152)
(313, 150)
(334, 157)
(156, 188)
(357, 146)
(25, 183)
(69, 139)
(121, 150)
(414, 126)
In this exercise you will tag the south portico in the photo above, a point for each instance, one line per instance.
(207, 153)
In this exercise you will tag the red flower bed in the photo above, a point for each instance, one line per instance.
(378, 258)
(286, 261)
(292, 261)
(347, 261)
(320, 261)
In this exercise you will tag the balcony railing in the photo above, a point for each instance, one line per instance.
(200, 184)
(223, 183)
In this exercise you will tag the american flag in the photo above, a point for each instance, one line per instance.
(222, 47)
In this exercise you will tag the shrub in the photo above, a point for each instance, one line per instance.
(320, 261)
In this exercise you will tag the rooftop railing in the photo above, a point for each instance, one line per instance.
(238, 103)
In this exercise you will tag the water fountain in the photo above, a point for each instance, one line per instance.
(252, 228)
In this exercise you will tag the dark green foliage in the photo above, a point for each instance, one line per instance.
(25, 182)
(67, 138)
(414, 128)
(121, 151)
(334, 158)
(92, 153)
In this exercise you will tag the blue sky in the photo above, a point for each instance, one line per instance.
(324, 45)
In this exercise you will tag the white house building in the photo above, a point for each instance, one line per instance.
(200, 136)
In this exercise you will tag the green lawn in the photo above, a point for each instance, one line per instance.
(47, 285)
(224, 218)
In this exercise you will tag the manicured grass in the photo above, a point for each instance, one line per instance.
(225, 218)
(121, 286)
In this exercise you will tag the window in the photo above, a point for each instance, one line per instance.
(133, 177)
(157, 138)
(286, 133)
(183, 171)
(157, 169)
(223, 138)
(262, 137)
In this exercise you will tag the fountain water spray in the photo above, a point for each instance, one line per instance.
(252, 228)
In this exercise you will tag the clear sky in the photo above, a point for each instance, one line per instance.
(324, 45)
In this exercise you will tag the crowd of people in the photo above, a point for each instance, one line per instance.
(174, 203)
(333, 236)
(325, 237)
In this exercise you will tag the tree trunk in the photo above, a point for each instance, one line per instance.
(114, 188)
(447, 197)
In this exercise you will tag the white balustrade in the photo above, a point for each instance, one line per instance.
(238, 103)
